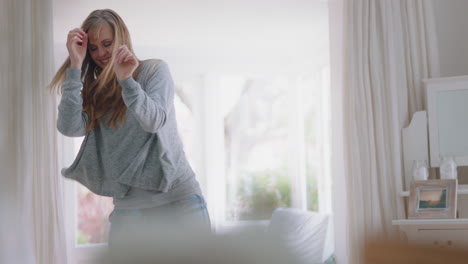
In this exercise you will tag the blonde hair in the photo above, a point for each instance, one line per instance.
(101, 92)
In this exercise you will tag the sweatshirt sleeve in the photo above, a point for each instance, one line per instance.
(72, 120)
(150, 106)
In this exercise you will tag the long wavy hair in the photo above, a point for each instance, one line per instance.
(101, 92)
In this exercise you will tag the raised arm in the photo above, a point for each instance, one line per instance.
(150, 104)
(72, 120)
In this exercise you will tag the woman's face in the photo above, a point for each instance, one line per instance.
(100, 47)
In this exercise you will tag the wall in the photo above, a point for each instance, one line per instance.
(452, 29)
(258, 37)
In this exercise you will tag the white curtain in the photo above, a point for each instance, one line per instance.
(32, 219)
(381, 49)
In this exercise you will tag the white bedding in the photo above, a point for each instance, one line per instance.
(306, 234)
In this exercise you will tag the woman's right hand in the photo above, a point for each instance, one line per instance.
(77, 43)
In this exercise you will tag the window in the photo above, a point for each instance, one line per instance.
(275, 144)
(257, 144)
(275, 150)
(252, 104)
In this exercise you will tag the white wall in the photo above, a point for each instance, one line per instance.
(452, 28)
(251, 37)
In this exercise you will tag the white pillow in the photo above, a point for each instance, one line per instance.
(302, 232)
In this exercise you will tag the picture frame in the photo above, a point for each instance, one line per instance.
(433, 199)
(446, 99)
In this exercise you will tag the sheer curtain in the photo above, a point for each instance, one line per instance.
(380, 51)
(32, 226)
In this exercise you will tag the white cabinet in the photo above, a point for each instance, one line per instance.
(462, 189)
(452, 233)
(447, 233)
(433, 126)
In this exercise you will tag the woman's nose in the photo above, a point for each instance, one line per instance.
(101, 52)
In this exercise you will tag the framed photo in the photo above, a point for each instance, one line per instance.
(433, 199)
(446, 113)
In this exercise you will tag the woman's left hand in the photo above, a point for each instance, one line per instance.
(125, 63)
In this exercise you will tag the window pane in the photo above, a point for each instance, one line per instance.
(185, 123)
(316, 106)
(256, 137)
(93, 214)
(312, 139)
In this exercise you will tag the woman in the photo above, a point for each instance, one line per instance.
(131, 150)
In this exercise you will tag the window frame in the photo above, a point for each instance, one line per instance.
(210, 131)
(210, 165)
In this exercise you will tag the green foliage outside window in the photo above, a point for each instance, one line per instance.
(82, 238)
(312, 194)
(261, 192)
